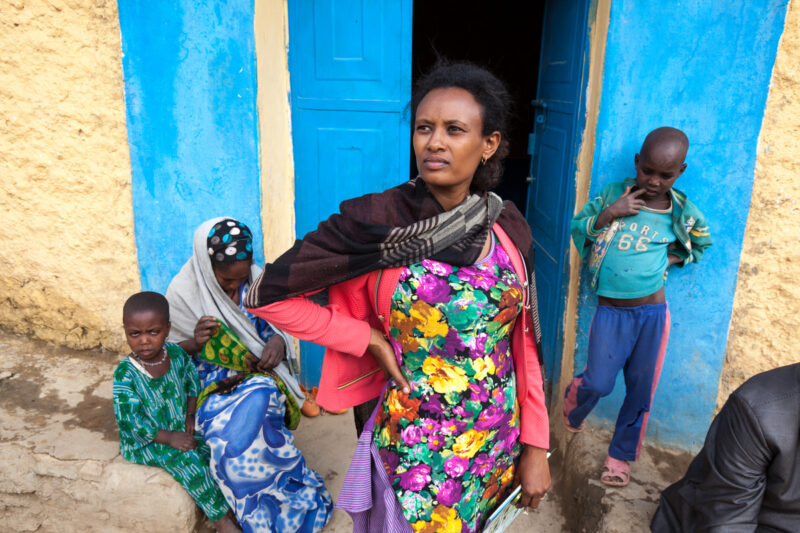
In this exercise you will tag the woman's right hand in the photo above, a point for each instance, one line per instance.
(383, 353)
(205, 329)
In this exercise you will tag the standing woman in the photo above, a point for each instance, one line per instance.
(431, 282)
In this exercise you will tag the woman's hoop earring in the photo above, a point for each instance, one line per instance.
(483, 159)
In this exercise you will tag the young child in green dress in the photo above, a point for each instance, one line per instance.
(155, 393)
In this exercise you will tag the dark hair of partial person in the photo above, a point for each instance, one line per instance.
(491, 95)
(146, 301)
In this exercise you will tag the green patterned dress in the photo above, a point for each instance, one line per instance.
(143, 405)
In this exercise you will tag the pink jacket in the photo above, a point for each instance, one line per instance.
(350, 377)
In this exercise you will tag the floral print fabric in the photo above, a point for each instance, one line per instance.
(262, 474)
(450, 446)
(254, 461)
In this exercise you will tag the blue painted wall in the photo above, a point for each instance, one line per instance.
(703, 67)
(190, 93)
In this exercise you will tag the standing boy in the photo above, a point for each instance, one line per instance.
(635, 230)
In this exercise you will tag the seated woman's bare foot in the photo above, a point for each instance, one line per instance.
(226, 525)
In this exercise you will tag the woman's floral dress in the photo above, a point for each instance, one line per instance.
(450, 446)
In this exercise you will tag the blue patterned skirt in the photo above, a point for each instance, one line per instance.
(263, 476)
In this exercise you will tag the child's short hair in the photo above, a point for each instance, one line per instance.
(146, 301)
(666, 134)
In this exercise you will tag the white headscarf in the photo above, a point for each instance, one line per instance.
(195, 292)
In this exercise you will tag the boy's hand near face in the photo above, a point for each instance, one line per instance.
(626, 205)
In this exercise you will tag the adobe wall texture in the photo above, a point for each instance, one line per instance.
(67, 254)
(767, 304)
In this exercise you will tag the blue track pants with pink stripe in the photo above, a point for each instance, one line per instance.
(631, 339)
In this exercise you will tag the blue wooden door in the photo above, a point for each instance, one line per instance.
(558, 125)
(350, 73)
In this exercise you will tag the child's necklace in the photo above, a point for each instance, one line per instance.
(145, 363)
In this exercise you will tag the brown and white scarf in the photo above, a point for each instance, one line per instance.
(398, 227)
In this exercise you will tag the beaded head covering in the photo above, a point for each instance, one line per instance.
(230, 240)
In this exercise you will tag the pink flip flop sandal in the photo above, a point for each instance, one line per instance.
(616, 473)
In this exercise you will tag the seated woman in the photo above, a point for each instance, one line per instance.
(278, 492)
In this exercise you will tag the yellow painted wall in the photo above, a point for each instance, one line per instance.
(274, 117)
(766, 310)
(67, 253)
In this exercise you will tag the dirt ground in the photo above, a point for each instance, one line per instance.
(328, 443)
(56, 412)
(592, 507)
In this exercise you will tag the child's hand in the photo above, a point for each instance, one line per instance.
(189, 424)
(182, 441)
(628, 204)
(191, 410)
(672, 259)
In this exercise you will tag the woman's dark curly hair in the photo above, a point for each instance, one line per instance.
(491, 95)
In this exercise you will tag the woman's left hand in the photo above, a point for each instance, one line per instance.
(274, 352)
(533, 473)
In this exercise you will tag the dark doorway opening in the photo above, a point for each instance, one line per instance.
(505, 39)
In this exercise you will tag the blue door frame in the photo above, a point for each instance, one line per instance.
(553, 145)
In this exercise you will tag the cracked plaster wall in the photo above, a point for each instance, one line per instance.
(67, 251)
